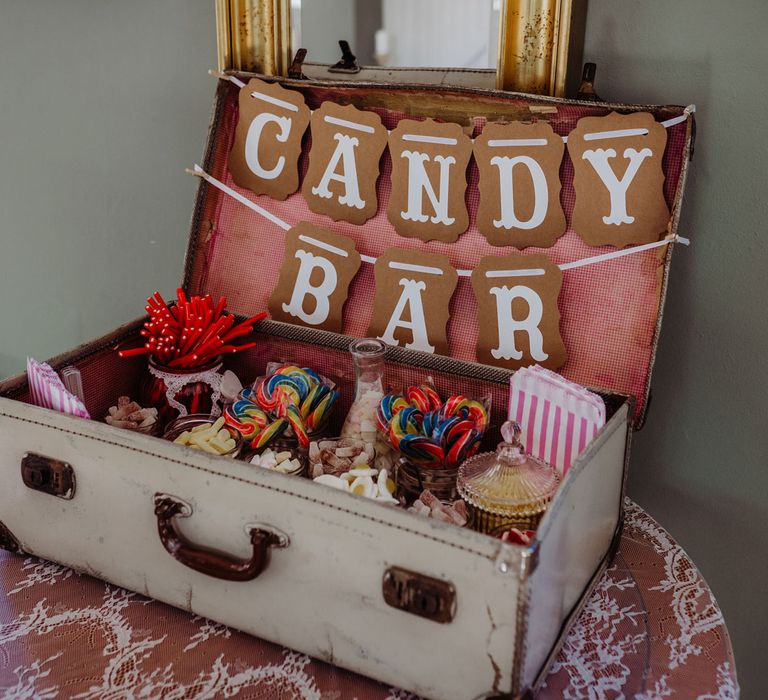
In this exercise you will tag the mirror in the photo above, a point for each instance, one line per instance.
(407, 33)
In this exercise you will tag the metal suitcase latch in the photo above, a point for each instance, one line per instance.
(419, 595)
(48, 475)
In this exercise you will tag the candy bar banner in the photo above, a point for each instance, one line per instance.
(517, 312)
(347, 144)
(267, 145)
(618, 179)
(519, 166)
(429, 179)
(617, 160)
(317, 269)
(413, 294)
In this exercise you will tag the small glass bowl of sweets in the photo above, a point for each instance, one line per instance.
(280, 455)
(203, 432)
(129, 415)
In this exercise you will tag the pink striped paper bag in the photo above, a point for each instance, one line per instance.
(48, 391)
(558, 418)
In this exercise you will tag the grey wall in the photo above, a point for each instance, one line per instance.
(103, 104)
(701, 463)
(323, 24)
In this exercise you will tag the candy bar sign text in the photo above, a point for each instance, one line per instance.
(516, 296)
(318, 267)
(617, 160)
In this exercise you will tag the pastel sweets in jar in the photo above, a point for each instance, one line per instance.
(368, 361)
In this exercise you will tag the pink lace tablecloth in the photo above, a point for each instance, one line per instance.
(651, 630)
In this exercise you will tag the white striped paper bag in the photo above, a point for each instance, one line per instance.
(48, 391)
(558, 418)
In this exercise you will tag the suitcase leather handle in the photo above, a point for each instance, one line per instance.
(204, 559)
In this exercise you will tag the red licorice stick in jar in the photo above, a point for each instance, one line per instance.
(133, 352)
(253, 319)
(224, 350)
(229, 321)
(220, 307)
(182, 314)
(187, 341)
(192, 334)
(216, 329)
(236, 333)
(207, 317)
(190, 331)
(244, 327)
(236, 348)
(208, 347)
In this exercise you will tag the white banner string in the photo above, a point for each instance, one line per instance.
(690, 109)
(199, 172)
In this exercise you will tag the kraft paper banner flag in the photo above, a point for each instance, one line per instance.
(517, 311)
(519, 167)
(267, 146)
(413, 293)
(618, 178)
(347, 144)
(429, 178)
(314, 279)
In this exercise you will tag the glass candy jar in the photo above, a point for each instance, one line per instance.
(506, 488)
(411, 480)
(179, 392)
(188, 423)
(293, 462)
(368, 361)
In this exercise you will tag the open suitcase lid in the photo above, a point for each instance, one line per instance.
(611, 311)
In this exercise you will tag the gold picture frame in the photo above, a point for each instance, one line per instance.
(254, 35)
(534, 41)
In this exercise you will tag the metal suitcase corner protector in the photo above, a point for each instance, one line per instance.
(517, 637)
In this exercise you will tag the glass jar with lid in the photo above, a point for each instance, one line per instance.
(507, 488)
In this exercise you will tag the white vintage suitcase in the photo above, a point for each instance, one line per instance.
(442, 611)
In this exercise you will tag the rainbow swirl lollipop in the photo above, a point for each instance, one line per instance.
(387, 408)
(299, 395)
(245, 417)
(431, 433)
(296, 422)
(269, 433)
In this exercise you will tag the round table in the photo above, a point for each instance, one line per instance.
(651, 629)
